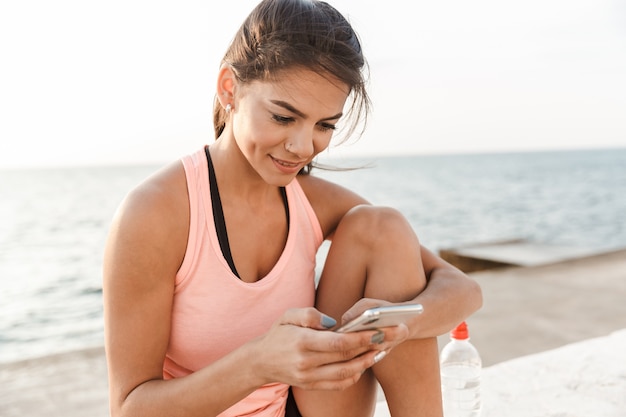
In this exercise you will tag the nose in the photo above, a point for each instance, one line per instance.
(300, 143)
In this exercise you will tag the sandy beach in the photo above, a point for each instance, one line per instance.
(527, 310)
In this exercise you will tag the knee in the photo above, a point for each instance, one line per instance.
(376, 225)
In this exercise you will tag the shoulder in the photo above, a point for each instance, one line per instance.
(153, 220)
(330, 201)
(161, 194)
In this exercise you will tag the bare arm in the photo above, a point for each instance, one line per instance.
(449, 297)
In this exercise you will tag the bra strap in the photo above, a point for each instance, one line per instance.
(218, 216)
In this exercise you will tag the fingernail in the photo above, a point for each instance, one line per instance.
(328, 322)
(379, 356)
(378, 338)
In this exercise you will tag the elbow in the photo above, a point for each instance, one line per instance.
(115, 409)
(118, 407)
(468, 293)
(475, 296)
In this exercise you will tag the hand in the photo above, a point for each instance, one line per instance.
(360, 306)
(299, 350)
(393, 336)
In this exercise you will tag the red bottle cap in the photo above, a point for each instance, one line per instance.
(460, 332)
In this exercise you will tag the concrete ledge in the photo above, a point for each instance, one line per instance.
(581, 379)
(518, 252)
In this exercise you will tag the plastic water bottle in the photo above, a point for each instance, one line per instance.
(460, 375)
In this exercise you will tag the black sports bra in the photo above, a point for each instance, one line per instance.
(218, 214)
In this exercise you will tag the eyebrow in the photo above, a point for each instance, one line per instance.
(292, 109)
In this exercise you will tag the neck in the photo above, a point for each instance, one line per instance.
(235, 176)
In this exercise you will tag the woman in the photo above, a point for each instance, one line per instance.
(210, 302)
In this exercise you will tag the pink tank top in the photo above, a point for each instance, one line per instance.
(214, 312)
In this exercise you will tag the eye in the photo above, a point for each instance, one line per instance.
(325, 127)
(282, 119)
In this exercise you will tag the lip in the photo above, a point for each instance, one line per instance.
(287, 167)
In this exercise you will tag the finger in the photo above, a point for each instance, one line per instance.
(392, 337)
(360, 306)
(346, 344)
(339, 375)
(396, 334)
(319, 349)
(307, 317)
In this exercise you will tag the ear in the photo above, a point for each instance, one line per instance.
(226, 85)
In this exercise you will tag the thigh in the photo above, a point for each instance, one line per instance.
(357, 401)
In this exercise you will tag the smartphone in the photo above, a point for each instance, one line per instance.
(378, 317)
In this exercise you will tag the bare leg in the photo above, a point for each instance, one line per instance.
(375, 254)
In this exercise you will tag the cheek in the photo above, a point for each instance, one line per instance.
(321, 142)
(253, 135)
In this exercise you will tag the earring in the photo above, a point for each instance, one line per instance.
(287, 146)
(228, 109)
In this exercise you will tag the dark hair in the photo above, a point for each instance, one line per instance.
(283, 34)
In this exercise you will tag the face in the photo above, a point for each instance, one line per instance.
(281, 126)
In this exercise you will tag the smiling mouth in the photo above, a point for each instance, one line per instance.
(286, 164)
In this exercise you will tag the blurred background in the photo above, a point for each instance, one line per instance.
(132, 81)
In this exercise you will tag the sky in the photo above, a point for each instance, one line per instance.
(132, 81)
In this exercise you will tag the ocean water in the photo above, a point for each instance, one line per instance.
(53, 224)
